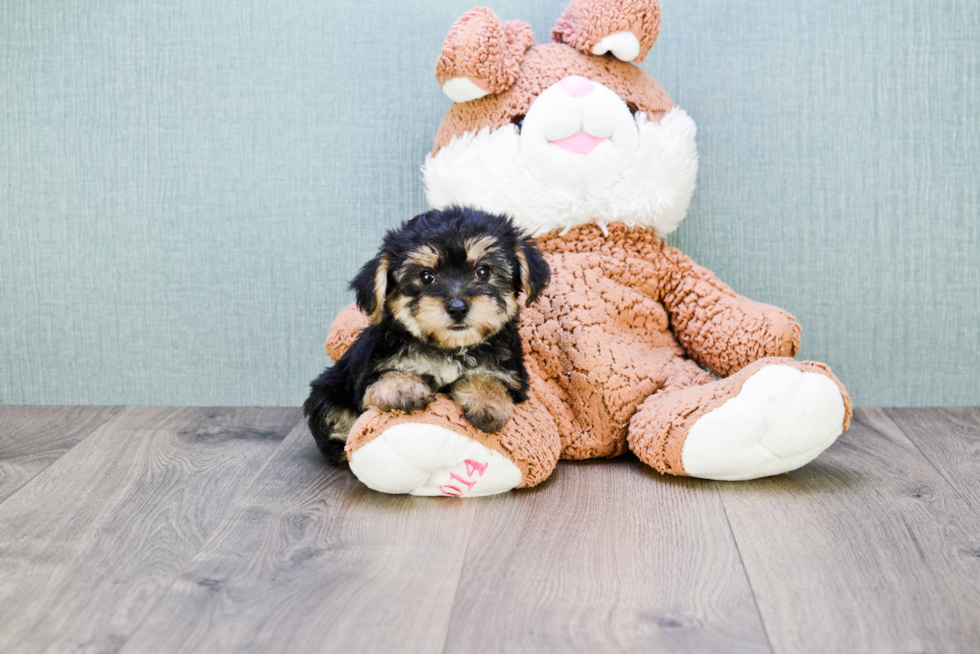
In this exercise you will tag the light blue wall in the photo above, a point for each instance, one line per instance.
(186, 186)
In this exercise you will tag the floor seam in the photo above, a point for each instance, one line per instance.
(745, 569)
(956, 490)
(459, 578)
(122, 409)
(207, 541)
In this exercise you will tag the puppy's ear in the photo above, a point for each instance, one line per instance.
(533, 271)
(371, 287)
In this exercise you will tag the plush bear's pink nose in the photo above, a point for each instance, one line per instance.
(576, 86)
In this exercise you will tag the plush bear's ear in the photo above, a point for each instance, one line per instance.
(481, 55)
(533, 271)
(370, 287)
(626, 28)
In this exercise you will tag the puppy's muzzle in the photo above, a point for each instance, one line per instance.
(457, 309)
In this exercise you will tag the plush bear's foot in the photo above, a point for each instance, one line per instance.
(780, 420)
(438, 452)
(423, 459)
(772, 417)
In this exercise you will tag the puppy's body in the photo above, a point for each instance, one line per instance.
(442, 298)
(499, 357)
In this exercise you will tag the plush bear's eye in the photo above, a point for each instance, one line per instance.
(426, 277)
(483, 273)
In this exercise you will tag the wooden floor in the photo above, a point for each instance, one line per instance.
(213, 530)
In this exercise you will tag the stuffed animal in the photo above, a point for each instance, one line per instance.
(587, 153)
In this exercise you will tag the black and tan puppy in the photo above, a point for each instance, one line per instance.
(442, 298)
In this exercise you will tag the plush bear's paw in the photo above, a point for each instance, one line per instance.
(781, 419)
(423, 459)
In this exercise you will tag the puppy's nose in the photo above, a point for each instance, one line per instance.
(457, 309)
(576, 86)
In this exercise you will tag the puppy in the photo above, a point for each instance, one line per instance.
(442, 299)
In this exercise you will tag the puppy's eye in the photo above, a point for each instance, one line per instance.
(483, 273)
(426, 277)
(519, 121)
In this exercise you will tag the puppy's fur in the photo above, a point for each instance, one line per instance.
(442, 298)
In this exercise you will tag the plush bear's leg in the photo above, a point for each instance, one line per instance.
(438, 452)
(772, 416)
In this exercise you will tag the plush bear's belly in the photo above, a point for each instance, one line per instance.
(600, 348)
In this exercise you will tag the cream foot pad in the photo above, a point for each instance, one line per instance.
(781, 419)
(423, 459)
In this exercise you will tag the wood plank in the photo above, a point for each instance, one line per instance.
(92, 543)
(310, 560)
(950, 439)
(606, 556)
(868, 549)
(32, 438)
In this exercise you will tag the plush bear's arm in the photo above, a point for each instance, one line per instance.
(349, 324)
(717, 327)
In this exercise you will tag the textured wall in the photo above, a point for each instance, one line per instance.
(185, 187)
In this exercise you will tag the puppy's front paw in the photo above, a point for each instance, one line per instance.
(485, 402)
(398, 391)
(489, 417)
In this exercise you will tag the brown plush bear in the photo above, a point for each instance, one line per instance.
(586, 151)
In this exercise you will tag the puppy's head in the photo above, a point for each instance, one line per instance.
(451, 277)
